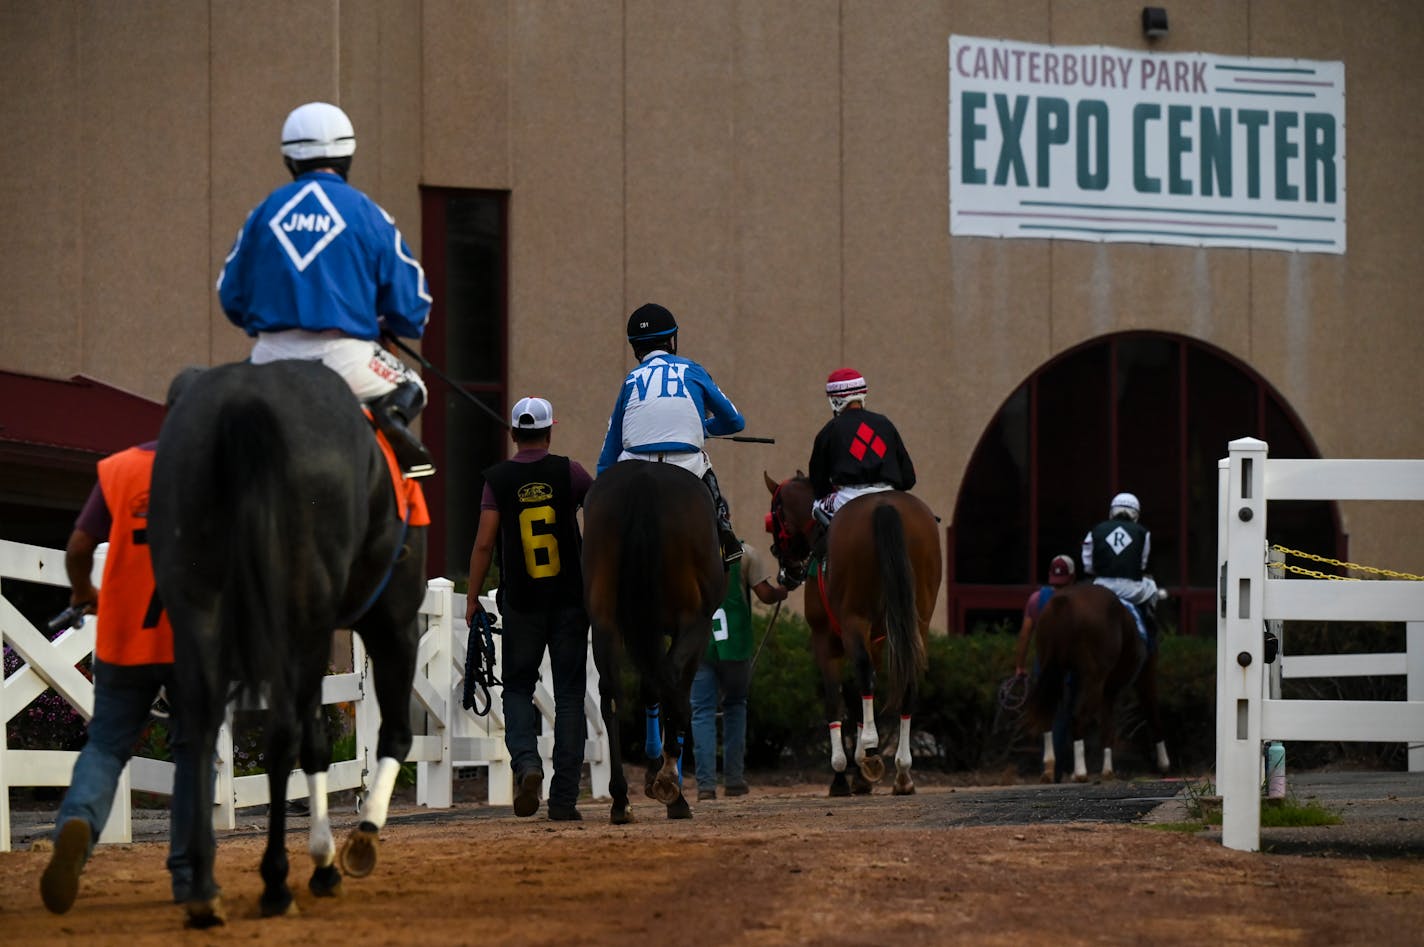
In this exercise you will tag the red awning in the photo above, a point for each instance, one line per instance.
(52, 420)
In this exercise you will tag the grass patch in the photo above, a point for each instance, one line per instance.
(1204, 808)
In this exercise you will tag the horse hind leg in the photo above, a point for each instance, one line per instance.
(904, 784)
(276, 897)
(1050, 759)
(867, 744)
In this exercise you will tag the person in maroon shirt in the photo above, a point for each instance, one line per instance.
(528, 519)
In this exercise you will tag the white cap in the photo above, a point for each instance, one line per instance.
(1125, 503)
(532, 414)
(317, 130)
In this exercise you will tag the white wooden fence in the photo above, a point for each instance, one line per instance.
(447, 736)
(1246, 710)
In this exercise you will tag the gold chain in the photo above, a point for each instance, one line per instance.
(1299, 570)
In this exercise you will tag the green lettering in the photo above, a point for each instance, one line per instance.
(971, 131)
(1320, 156)
(1011, 152)
(1215, 143)
(1093, 112)
(1052, 130)
(1141, 181)
(1285, 150)
(1253, 120)
(1179, 144)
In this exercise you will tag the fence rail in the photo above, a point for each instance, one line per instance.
(1249, 709)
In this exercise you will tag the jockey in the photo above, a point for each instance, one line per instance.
(857, 452)
(667, 406)
(319, 271)
(1116, 553)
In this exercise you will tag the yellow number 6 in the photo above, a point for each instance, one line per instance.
(534, 542)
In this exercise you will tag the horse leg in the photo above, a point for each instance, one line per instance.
(610, 693)
(867, 744)
(1050, 759)
(1147, 697)
(678, 669)
(1078, 697)
(392, 651)
(830, 665)
(325, 881)
(202, 707)
(1107, 726)
(278, 759)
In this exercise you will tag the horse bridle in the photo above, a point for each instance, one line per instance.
(793, 573)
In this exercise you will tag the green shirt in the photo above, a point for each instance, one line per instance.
(732, 624)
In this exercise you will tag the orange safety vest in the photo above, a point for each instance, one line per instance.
(133, 627)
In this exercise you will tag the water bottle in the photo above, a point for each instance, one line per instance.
(1275, 770)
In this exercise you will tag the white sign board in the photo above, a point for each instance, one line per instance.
(1114, 145)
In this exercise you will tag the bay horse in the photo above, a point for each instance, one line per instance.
(876, 592)
(653, 580)
(1090, 650)
(273, 521)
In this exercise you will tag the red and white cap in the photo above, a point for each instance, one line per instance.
(1061, 570)
(845, 383)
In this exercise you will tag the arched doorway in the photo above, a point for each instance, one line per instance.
(1147, 412)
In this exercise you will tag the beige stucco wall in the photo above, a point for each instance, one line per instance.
(776, 173)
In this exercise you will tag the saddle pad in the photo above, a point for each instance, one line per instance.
(409, 496)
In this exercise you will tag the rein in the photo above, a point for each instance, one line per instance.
(479, 664)
(770, 622)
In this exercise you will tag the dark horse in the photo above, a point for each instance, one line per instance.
(877, 588)
(653, 579)
(273, 522)
(1089, 650)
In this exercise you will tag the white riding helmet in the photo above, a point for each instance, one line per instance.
(1124, 505)
(318, 130)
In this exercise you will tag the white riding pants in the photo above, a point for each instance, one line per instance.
(840, 496)
(1137, 591)
(695, 461)
(368, 368)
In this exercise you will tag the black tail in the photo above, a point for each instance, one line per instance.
(1041, 705)
(897, 585)
(250, 457)
(640, 590)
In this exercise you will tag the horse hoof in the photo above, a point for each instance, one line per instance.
(839, 785)
(1080, 778)
(619, 815)
(859, 785)
(679, 809)
(1109, 776)
(666, 790)
(1045, 777)
(358, 854)
(907, 788)
(325, 882)
(279, 904)
(873, 768)
(205, 914)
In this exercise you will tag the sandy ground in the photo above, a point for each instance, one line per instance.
(787, 865)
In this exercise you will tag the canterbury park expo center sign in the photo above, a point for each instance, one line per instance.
(1115, 145)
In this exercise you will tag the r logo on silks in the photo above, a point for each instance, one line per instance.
(306, 224)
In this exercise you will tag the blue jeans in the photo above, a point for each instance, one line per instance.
(122, 698)
(732, 679)
(564, 631)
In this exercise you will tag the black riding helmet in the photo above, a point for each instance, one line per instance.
(651, 321)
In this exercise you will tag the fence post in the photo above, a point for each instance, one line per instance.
(434, 779)
(1241, 687)
(1414, 686)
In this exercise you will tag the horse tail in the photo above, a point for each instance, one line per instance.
(640, 587)
(897, 585)
(250, 456)
(1041, 704)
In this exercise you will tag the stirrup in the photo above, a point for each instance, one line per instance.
(731, 546)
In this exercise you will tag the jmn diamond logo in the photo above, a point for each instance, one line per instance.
(306, 224)
(1119, 540)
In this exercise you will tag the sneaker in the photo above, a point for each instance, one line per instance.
(706, 795)
(741, 790)
(298, 807)
(558, 813)
(59, 885)
(526, 798)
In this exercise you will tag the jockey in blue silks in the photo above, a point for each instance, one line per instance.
(319, 271)
(666, 408)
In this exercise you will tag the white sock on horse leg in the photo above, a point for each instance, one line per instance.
(868, 736)
(319, 841)
(1048, 756)
(1080, 759)
(902, 750)
(378, 800)
(838, 757)
(1107, 761)
(859, 743)
(1163, 763)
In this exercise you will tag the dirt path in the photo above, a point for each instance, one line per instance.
(784, 865)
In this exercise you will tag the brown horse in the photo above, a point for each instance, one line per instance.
(875, 592)
(653, 580)
(1089, 651)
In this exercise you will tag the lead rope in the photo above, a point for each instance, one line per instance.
(765, 635)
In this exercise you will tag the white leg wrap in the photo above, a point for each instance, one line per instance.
(378, 800)
(902, 749)
(1107, 760)
(1048, 756)
(1080, 760)
(868, 736)
(838, 757)
(1163, 763)
(319, 841)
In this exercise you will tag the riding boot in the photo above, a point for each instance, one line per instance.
(821, 527)
(731, 545)
(393, 412)
(1149, 623)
